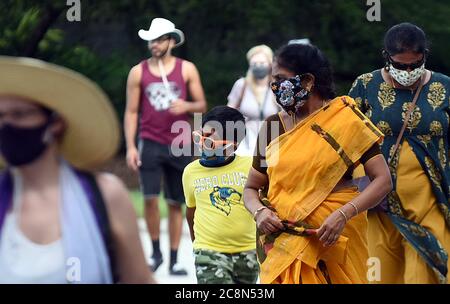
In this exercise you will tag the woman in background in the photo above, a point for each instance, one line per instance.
(251, 95)
(411, 235)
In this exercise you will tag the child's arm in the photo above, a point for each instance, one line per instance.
(190, 200)
(190, 219)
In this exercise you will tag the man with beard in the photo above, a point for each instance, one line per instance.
(157, 93)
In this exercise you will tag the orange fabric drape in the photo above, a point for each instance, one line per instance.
(304, 165)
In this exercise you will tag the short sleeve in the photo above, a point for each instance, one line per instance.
(236, 92)
(358, 93)
(371, 153)
(188, 189)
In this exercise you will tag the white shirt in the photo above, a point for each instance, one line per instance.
(252, 110)
(23, 261)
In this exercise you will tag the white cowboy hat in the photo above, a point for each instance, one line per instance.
(160, 27)
(92, 133)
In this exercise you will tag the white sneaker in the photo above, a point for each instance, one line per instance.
(177, 269)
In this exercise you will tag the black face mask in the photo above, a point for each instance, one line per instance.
(21, 146)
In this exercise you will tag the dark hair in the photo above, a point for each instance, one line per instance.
(224, 114)
(405, 37)
(307, 58)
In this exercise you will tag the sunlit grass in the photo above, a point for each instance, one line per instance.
(138, 202)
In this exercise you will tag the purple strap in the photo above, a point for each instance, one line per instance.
(6, 190)
(90, 195)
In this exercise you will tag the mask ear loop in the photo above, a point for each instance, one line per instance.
(385, 55)
(425, 55)
(48, 137)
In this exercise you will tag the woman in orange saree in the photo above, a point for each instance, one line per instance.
(312, 222)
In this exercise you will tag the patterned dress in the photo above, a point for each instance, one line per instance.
(426, 136)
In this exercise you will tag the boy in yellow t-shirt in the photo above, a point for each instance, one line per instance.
(222, 230)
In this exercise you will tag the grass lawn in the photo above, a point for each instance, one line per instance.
(138, 202)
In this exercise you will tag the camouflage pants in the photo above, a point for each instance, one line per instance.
(213, 267)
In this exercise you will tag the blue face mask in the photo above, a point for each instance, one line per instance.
(214, 161)
(214, 158)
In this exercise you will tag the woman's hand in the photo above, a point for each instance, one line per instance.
(331, 228)
(268, 222)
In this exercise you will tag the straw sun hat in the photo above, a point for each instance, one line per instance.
(92, 135)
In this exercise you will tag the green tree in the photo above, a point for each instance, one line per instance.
(104, 45)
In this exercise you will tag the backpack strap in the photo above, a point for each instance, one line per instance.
(98, 205)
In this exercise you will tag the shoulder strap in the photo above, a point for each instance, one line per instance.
(407, 117)
(6, 189)
(263, 104)
(99, 207)
(238, 106)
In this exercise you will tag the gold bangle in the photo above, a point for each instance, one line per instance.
(258, 210)
(343, 214)
(354, 206)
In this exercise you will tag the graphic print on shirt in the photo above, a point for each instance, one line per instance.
(159, 97)
(224, 197)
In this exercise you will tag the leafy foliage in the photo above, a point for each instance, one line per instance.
(104, 45)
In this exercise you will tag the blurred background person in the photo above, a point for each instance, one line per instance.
(410, 235)
(161, 91)
(252, 96)
(59, 222)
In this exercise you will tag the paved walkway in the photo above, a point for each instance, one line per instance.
(185, 256)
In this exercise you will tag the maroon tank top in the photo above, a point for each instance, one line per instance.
(156, 121)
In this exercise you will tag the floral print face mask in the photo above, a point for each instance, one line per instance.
(290, 94)
(406, 78)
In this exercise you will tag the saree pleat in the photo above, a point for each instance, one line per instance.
(345, 262)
